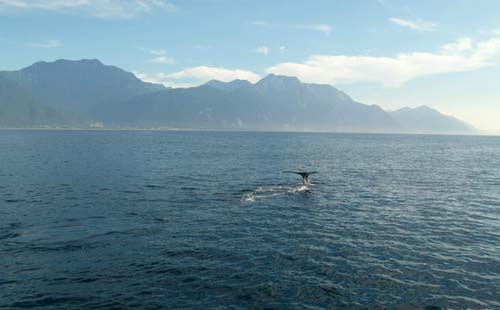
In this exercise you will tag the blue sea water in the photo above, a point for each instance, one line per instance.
(207, 220)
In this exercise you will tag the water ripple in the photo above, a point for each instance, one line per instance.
(195, 220)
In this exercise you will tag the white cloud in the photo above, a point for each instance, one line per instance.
(160, 78)
(204, 74)
(323, 28)
(459, 56)
(163, 60)
(160, 55)
(146, 77)
(47, 44)
(461, 45)
(194, 76)
(262, 50)
(97, 8)
(418, 25)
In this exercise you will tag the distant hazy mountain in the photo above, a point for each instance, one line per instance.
(78, 86)
(229, 86)
(424, 119)
(274, 103)
(18, 108)
(78, 92)
(318, 107)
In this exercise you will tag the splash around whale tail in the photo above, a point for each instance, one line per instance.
(304, 174)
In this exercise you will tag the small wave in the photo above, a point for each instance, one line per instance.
(14, 200)
(10, 235)
(153, 186)
(266, 192)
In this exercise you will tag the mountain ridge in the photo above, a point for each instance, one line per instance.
(98, 92)
(78, 84)
(424, 119)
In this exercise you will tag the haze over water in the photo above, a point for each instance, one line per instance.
(207, 220)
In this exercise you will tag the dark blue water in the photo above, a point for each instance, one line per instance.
(204, 220)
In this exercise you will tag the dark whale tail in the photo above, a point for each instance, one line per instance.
(304, 174)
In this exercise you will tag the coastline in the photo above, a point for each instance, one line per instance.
(160, 129)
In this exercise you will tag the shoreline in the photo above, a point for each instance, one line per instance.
(478, 134)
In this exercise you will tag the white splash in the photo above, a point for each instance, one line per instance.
(266, 192)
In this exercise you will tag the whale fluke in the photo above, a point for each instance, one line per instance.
(304, 174)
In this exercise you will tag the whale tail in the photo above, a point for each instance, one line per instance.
(304, 174)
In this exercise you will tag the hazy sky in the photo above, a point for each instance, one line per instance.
(445, 54)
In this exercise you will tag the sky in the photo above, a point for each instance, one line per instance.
(444, 54)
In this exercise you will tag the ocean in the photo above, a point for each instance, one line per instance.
(208, 220)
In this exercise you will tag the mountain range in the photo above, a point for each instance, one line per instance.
(69, 93)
